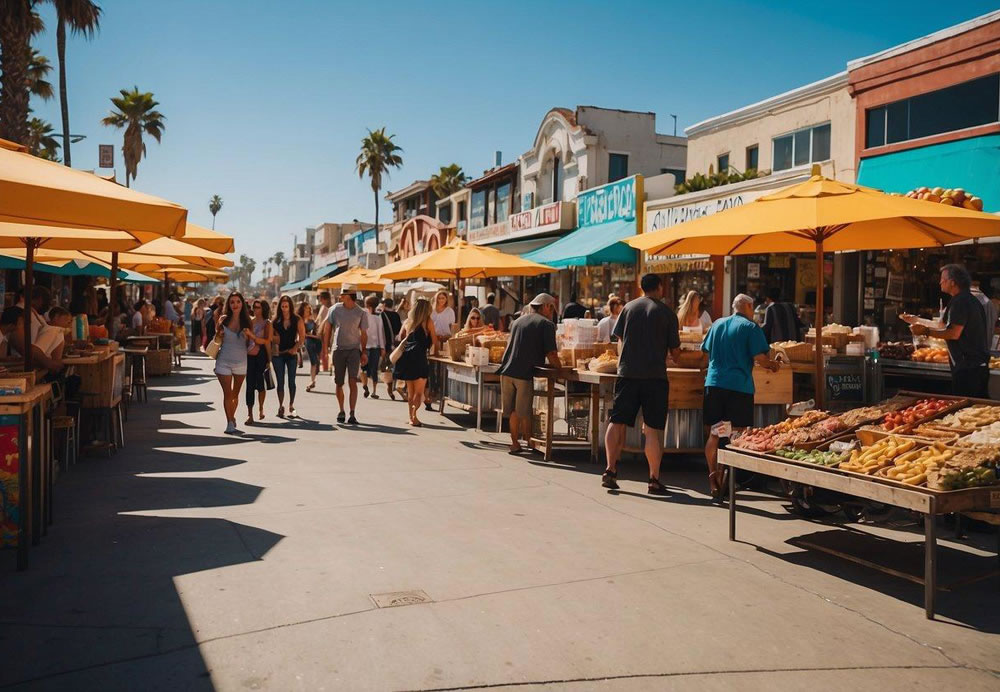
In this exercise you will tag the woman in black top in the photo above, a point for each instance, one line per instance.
(289, 333)
(419, 335)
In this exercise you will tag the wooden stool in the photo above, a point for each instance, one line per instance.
(67, 424)
(105, 425)
(137, 371)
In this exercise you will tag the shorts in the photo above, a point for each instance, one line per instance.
(517, 396)
(222, 368)
(727, 405)
(974, 382)
(650, 395)
(346, 362)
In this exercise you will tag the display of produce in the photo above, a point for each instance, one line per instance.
(957, 479)
(812, 426)
(913, 467)
(881, 454)
(924, 408)
(812, 457)
(857, 416)
(971, 417)
(994, 363)
(989, 435)
(607, 362)
(930, 355)
(896, 350)
(930, 431)
(953, 197)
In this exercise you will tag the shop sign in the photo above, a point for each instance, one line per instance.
(845, 386)
(621, 273)
(612, 202)
(557, 216)
(753, 270)
(673, 215)
(675, 266)
(340, 255)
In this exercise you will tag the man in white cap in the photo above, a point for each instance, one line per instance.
(350, 346)
(532, 342)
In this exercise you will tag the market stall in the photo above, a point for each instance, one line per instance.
(931, 455)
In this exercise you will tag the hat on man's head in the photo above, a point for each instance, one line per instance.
(542, 299)
(349, 290)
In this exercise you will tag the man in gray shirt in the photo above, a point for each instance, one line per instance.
(350, 344)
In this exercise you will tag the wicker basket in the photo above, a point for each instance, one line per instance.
(802, 353)
(457, 346)
(838, 341)
(158, 362)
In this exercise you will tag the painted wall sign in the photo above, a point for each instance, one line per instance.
(545, 219)
(612, 202)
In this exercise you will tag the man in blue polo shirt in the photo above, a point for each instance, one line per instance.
(733, 345)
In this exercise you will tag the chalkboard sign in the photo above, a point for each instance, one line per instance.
(845, 387)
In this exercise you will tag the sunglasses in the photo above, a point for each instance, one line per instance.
(474, 317)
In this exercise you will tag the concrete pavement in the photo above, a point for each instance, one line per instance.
(193, 560)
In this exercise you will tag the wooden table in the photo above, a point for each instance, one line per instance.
(32, 454)
(101, 374)
(475, 375)
(927, 502)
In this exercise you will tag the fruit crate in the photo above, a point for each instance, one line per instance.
(802, 353)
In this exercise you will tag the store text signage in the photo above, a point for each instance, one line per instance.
(612, 202)
(673, 215)
(550, 217)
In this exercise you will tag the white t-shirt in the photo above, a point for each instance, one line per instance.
(49, 338)
(137, 319)
(706, 321)
(605, 327)
(376, 331)
(443, 321)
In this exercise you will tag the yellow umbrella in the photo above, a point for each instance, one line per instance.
(208, 239)
(16, 235)
(359, 277)
(188, 273)
(178, 249)
(821, 215)
(461, 260)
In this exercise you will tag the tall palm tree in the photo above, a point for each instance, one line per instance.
(137, 114)
(278, 259)
(378, 155)
(448, 180)
(214, 206)
(38, 69)
(40, 141)
(82, 17)
(17, 24)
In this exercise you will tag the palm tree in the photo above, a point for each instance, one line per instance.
(17, 24)
(137, 114)
(82, 17)
(214, 206)
(378, 155)
(40, 141)
(278, 259)
(448, 180)
(38, 69)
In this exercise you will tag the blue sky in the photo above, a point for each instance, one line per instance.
(267, 101)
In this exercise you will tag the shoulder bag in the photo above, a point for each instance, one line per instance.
(212, 350)
(397, 352)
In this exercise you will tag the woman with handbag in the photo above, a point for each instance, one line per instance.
(260, 377)
(410, 357)
(230, 346)
(289, 332)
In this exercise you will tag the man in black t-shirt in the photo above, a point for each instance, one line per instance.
(781, 320)
(532, 342)
(573, 310)
(648, 330)
(965, 332)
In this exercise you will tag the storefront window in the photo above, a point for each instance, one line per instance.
(556, 179)
(969, 104)
(503, 203)
(477, 216)
(806, 146)
(723, 162)
(617, 167)
(752, 157)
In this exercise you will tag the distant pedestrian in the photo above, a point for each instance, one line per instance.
(314, 342)
(490, 312)
(573, 310)
(348, 323)
(377, 345)
(234, 330)
(443, 317)
(532, 343)
(396, 325)
(781, 319)
(259, 359)
(289, 333)
(325, 303)
(691, 312)
(607, 324)
(413, 367)
(734, 344)
(197, 319)
(648, 331)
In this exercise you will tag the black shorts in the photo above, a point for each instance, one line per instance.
(727, 405)
(971, 382)
(651, 396)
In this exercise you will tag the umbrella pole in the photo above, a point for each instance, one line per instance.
(112, 298)
(820, 379)
(29, 279)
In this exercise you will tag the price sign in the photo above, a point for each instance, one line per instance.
(845, 386)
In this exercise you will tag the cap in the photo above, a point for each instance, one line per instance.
(542, 299)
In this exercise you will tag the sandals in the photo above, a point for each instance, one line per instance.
(416, 424)
(366, 391)
(374, 395)
(248, 421)
(656, 488)
(608, 480)
(311, 387)
(281, 412)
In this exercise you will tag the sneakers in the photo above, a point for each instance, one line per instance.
(656, 488)
(230, 427)
(608, 480)
(341, 417)
(352, 420)
(366, 391)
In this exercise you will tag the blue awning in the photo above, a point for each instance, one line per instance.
(589, 246)
(971, 164)
(132, 277)
(317, 274)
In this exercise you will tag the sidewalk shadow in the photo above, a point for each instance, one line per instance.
(964, 603)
